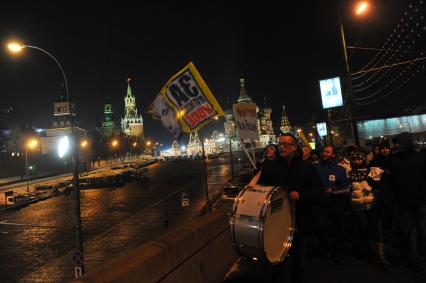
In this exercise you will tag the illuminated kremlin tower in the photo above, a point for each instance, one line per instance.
(285, 126)
(108, 125)
(131, 123)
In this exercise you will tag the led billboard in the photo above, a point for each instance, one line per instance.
(331, 93)
(322, 129)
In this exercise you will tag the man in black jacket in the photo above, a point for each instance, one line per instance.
(305, 187)
(408, 173)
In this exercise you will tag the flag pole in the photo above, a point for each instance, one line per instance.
(208, 203)
(231, 156)
(248, 154)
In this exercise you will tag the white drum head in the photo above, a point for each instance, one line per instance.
(278, 227)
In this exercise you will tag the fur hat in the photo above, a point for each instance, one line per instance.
(357, 155)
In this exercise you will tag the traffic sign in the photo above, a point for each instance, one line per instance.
(78, 271)
(184, 199)
(78, 258)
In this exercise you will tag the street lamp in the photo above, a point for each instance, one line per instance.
(114, 143)
(16, 47)
(360, 9)
(84, 144)
(31, 144)
(148, 148)
(132, 151)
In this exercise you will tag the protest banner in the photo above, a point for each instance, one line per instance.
(246, 121)
(185, 103)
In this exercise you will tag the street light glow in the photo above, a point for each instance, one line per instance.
(63, 146)
(32, 143)
(83, 144)
(361, 8)
(148, 143)
(15, 47)
(114, 143)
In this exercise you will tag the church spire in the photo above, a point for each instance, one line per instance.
(285, 126)
(243, 98)
(131, 123)
(129, 89)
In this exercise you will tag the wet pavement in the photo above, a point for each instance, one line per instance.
(114, 221)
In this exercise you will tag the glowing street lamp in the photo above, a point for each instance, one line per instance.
(63, 146)
(114, 143)
(31, 144)
(361, 8)
(84, 144)
(15, 47)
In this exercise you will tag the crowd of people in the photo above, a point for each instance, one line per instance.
(372, 206)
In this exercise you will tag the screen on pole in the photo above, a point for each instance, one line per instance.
(331, 93)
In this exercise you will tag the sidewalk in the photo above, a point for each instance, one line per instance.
(19, 185)
(18, 179)
(319, 270)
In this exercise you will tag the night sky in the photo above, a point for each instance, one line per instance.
(282, 51)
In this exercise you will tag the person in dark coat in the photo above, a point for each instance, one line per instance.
(332, 205)
(408, 173)
(270, 167)
(305, 187)
(384, 198)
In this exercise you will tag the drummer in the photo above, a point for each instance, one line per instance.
(305, 187)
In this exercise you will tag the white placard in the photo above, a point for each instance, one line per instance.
(246, 121)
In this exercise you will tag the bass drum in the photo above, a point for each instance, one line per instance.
(262, 223)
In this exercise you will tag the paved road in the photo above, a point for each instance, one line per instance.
(114, 220)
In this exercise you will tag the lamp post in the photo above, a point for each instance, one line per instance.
(84, 144)
(16, 47)
(31, 144)
(134, 146)
(114, 143)
(148, 147)
(349, 89)
(360, 9)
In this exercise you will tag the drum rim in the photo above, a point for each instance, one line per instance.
(260, 225)
(232, 220)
